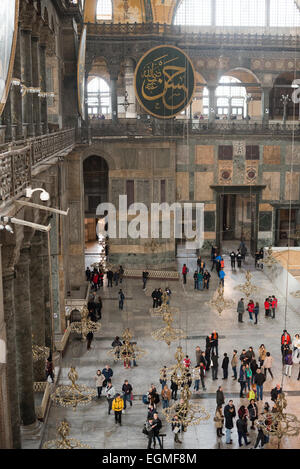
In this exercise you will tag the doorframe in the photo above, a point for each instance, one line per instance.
(237, 190)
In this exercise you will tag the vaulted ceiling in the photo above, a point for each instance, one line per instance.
(158, 11)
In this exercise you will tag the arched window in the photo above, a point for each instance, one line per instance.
(251, 13)
(240, 13)
(194, 12)
(98, 93)
(230, 100)
(284, 13)
(104, 10)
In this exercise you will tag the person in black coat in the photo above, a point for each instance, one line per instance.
(253, 412)
(220, 396)
(109, 275)
(207, 357)
(154, 295)
(225, 364)
(232, 259)
(89, 339)
(156, 428)
(174, 389)
(215, 366)
(241, 425)
(229, 415)
(99, 307)
(275, 392)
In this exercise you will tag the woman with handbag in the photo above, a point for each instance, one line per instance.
(262, 353)
(219, 420)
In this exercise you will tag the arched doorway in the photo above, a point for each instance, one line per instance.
(95, 178)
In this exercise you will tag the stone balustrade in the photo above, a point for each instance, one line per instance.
(17, 159)
(182, 127)
(235, 39)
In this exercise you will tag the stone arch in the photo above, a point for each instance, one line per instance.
(45, 16)
(93, 150)
(241, 73)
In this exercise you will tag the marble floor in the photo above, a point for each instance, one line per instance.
(93, 426)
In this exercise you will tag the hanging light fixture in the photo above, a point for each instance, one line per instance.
(85, 326)
(168, 334)
(218, 302)
(188, 413)
(39, 352)
(248, 288)
(128, 350)
(63, 442)
(279, 423)
(269, 260)
(73, 395)
(164, 307)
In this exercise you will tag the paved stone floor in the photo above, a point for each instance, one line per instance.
(92, 425)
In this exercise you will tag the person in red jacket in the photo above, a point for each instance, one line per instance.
(267, 307)
(95, 280)
(274, 305)
(285, 337)
(184, 272)
(250, 309)
(187, 361)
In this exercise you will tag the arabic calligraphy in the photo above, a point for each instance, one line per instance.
(164, 81)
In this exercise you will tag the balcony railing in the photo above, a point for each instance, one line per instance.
(237, 39)
(180, 127)
(17, 159)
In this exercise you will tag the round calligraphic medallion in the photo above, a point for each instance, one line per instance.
(164, 81)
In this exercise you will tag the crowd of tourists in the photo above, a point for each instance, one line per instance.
(270, 307)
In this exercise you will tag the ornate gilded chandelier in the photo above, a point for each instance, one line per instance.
(188, 413)
(168, 334)
(73, 395)
(63, 431)
(269, 260)
(279, 423)
(39, 352)
(218, 302)
(128, 350)
(85, 326)
(248, 288)
(164, 308)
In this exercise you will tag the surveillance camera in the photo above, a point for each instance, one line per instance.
(28, 192)
(44, 196)
(9, 229)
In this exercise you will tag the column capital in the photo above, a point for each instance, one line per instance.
(8, 274)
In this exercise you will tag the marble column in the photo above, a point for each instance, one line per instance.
(24, 338)
(46, 290)
(114, 97)
(265, 105)
(43, 101)
(36, 83)
(212, 102)
(6, 119)
(11, 373)
(26, 68)
(16, 98)
(36, 270)
(129, 87)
